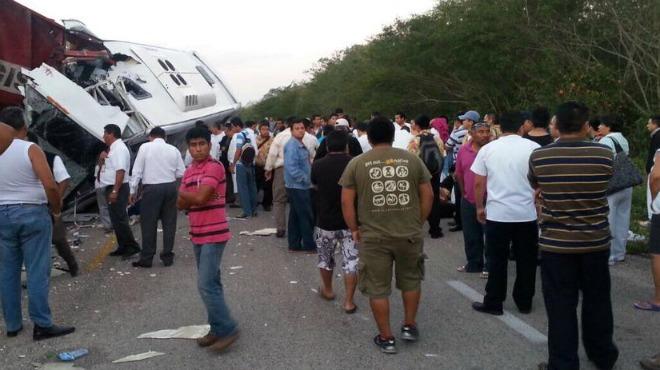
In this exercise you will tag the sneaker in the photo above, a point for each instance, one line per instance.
(207, 340)
(409, 333)
(222, 343)
(651, 363)
(386, 345)
(242, 215)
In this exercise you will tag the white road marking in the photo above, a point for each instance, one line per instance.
(509, 319)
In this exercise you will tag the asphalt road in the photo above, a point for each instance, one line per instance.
(285, 325)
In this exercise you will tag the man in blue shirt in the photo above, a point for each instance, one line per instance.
(297, 180)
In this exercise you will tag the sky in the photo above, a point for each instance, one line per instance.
(253, 45)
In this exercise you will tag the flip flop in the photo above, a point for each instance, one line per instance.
(647, 306)
(352, 310)
(325, 296)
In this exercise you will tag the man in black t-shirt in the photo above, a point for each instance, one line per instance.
(330, 226)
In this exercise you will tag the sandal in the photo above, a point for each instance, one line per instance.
(351, 310)
(647, 306)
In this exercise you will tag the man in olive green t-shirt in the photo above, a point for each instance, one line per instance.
(394, 197)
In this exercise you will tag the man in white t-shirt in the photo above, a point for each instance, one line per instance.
(217, 133)
(501, 169)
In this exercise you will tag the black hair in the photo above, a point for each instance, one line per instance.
(339, 111)
(314, 116)
(113, 129)
(541, 117)
(333, 114)
(510, 122)
(264, 122)
(614, 122)
(336, 141)
(375, 114)
(236, 121)
(291, 120)
(219, 125)
(400, 114)
(307, 123)
(381, 131)
(571, 117)
(157, 132)
(423, 121)
(200, 123)
(13, 116)
(594, 123)
(656, 120)
(458, 115)
(198, 133)
(250, 123)
(363, 126)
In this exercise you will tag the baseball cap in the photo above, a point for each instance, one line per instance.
(342, 122)
(471, 115)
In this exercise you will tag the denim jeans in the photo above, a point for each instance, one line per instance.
(209, 258)
(247, 188)
(25, 238)
(301, 220)
(473, 236)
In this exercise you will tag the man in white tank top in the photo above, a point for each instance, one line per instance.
(26, 188)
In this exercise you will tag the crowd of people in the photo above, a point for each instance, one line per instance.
(540, 189)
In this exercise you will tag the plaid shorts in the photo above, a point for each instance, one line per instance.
(327, 241)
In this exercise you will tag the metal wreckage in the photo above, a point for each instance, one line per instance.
(72, 83)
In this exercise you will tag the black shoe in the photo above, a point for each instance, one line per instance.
(456, 228)
(117, 252)
(451, 223)
(525, 310)
(280, 234)
(234, 205)
(141, 264)
(543, 366)
(386, 345)
(40, 333)
(480, 307)
(73, 269)
(255, 214)
(409, 333)
(267, 208)
(168, 263)
(437, 235)
(14, 333)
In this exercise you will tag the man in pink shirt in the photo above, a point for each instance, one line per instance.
(202, 195)
(473, 231)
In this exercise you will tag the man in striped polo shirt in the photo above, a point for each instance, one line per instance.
(202, 195)
(571, 177)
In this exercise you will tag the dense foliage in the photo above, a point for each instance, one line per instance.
(493, 55)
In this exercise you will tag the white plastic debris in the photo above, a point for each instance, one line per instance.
(152, 275)
(261, 232)
(315, 291)
(138, 357)
(293, 282)
(184, 332)
(430, 355)
(236, 267)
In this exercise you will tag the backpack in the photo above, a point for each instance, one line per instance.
(430, 154)
(247, 151)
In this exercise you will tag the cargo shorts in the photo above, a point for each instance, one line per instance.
(379, 256)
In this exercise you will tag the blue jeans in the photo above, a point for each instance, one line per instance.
(209, 257)
(25, 238)
(247, 188)
(474, 238)
(301, 220)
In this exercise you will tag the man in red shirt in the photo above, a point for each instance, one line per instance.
(202, 195)
(473, 231)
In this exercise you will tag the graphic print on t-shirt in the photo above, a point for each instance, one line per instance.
(389, 184)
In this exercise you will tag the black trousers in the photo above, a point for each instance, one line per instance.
(523, 237)
(230, 196)
(563, 277)
(434, 216)
(119, 218)
(158, 203)
(459, 197)
(265, 186)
